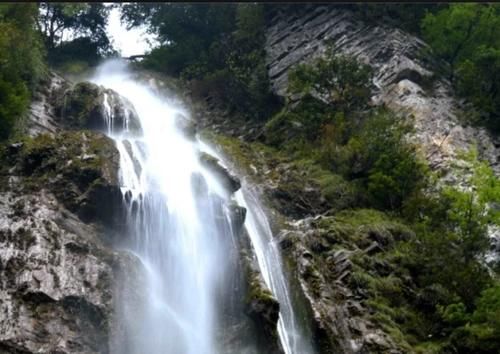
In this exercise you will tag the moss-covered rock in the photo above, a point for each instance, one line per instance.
(295, 187)
(79, 167)
(89, 106)
(228, 180)
(261, 307)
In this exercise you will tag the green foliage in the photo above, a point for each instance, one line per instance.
(13, 101)
(394, 170)
(407, 16)
(21, 62)
(370, 148)
(342, 81)
(478, 332)
(454, 314)
(452, 229)
(217, 48)
(457, 31)
(305, 121)
(74, 30)
(466, 35)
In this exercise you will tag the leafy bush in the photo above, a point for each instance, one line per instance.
(218, 49)
(21, 62)
(466, 35)
(341, 81)
(349, 138)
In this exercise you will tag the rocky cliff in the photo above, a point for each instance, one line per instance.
(338, 258)
(405, 79)
(65, 287)
(59, 207)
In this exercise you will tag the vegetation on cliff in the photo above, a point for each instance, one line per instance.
(21, 62)
(466, 36)
(369, 148)
(217, 48)
(424, 279)
(417, 251)
(33, 36)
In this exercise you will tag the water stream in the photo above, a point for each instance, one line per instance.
(179, 229)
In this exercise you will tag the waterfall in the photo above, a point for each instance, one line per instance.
(293, 336)
(178, 227)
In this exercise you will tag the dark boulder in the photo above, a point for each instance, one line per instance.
(228, 180)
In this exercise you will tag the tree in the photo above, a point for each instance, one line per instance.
(457, 31)
(452, 231)
(342, 81)
(21, 62)
(185, 33)
(67, 23)
(466, 35)
(391, 166)
(174, 22)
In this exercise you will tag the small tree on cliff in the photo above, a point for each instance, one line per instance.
(343, 81)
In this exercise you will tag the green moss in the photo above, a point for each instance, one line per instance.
(80, 105)
(258, 293)
(429, 348)
(247, 156)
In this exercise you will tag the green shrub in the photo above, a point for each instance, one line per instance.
(343, 81)
(21, 63)
(465, 35)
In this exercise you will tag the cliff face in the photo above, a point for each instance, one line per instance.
(64, 288)
(324, 252)
(59, 197)
(405, 79)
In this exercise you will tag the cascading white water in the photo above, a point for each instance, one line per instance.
(291, 334)
(181, 232)
(175, 233)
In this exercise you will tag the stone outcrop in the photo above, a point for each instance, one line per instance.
(80, 168)
(57, 274)
(60, 105)
(88, 106)
(41, 116)
(227, 179)
(405, 79)
(322, 251)
(59, 198)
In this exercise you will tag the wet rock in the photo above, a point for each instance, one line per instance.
(228, 180)
(89, 106)
(262, 308)
(186, 126)
(237, 215)
(57, 278)
(80, 168)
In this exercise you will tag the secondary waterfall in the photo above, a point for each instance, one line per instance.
(179, 228)
(293, 336)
